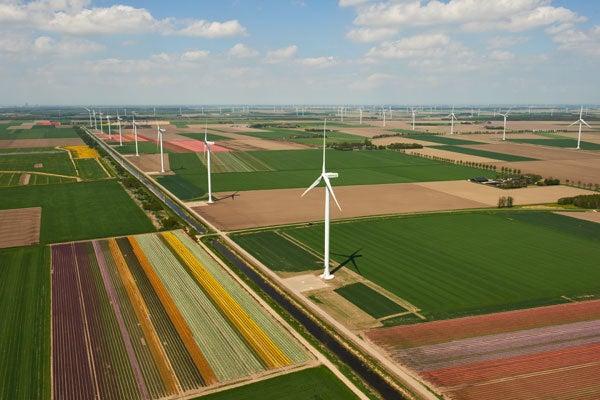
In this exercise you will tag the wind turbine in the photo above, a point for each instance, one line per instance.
(108, 119)
(160, 132)
(325, 176)
(452, 118)
(383, 111)
(413, 118)
(580, 121)
(360, 110)
(207, 145)
(90, 113)
(505, 115)
(95, 122)
(101, 128)
(135, 125)
(119, 119)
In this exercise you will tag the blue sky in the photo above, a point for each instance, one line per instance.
(299, 52)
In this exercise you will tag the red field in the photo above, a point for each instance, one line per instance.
(401, 337)
(545, 353)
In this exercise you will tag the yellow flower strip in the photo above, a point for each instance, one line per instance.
(259, 342)
(181, 326)
(143, 315)
(82, 151)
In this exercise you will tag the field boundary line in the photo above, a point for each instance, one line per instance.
(43, 173)
(299, 244)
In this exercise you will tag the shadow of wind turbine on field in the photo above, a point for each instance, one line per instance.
(349, 259)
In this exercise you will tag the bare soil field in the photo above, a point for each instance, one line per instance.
(27, 143)
(584, 171)
(24, 125)
(20, 227)
(219, 128)
(591, 216)
(275, 207)
(149, 163)
(249, 144)
(537, 152)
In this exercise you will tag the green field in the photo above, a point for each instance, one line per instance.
(299, 168)
(89, 168)
(211, 136)
(442, 139)
(51, 163)
(31, 150)
(8, 179)
(37, 132)
(368, 300)
(483, 153)
(308, 384)
(564, 143)
(80, 211)
(469, 263)
(278, 252)
(25, 327)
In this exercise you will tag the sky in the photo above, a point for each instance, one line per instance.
(398, 52)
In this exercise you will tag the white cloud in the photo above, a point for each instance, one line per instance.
(501, 55)
(281, 55)
(193, 55)
(471, 15)
(373, 81)
(213, 30)
(430, 45)
(582, 42)
(351, 3)
(500, 42)
(65, 47)
(370, 34)
(240, 50)
(13, 42)
(318, 62)
(103, 21)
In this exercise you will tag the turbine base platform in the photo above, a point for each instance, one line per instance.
(329, 276)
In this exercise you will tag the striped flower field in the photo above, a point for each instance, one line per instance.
(153, 316)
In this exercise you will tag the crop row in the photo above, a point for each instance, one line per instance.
(283, 341)
(270, 354)
(212, 332)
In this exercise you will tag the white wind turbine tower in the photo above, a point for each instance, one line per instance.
(95, 122)
(135, 125)
(90, 113)
(101, 127)
(160, 132)
(505, 115)
(108, 120)
(383, 111)
(580, 121)
(328, 191)
(413, 118)
(360, 111)
(119, 119)
(452, 118)
(207, 145)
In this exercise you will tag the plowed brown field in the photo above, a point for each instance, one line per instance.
(20, 227)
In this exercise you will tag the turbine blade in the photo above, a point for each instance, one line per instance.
(330, 189)
(574, 123)
(315, 183)
(586, 123)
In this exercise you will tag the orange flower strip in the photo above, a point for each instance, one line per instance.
(181, 326)
(271, 355)
(143, 315)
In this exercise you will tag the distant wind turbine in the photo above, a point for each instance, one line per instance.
(383, 111)
(452, 118)
(160, 132)
(207, 145)
(90, 113)
(413, 118)
(95, 123)
(119, 119)
(360, 111)
(108, 120)
(135, 125)
(580, 121)
(505, 115)
(325, 176)
(101, 127)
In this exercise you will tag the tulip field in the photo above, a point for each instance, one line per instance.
(151, 316)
